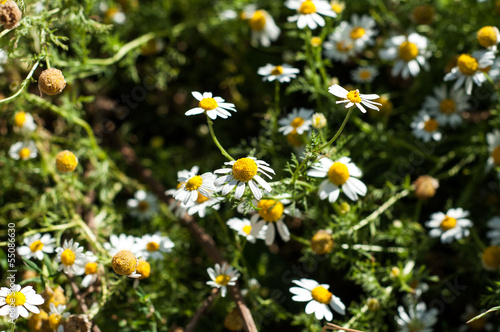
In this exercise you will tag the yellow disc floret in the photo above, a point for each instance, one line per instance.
(247, 229)
(222, 279)
(54, 321)
(51, 81)
(278, 70)
(208, 104)
(194, 183)
(448, 223)
(20, 119)
(244, 169)
(24, 153)
(152, 246)
(487, 36)
(91, 268)
(496, 155)
(357, 32)
(144, 269)
(316, 41)
(322, 295)
(431, 125)
(407, 51)
(338, 7)
(201, 198)
(15, 299)
(270, 210)
(307, 7)
(491, 257)
(36, 245)
(297, 122)
(66, 161)
(258, 21)
(68, 257)
(467, 64)
(353, 96)
(124, 263)
(447, 106)
(338, 174)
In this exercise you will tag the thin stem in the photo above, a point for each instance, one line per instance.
(13, 327)
(4, 32)
(23, 85)
(334, 138)
(214, 138)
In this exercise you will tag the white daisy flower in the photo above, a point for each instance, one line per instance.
(449, 226)
(469, 70)
(494, 70)
(364, 74)
(283, 73)
(488, 37)
(143, 206)
(23, 150)
(244, 228)
(4, 56)
(57, 317)
(91, 269)
(319, 297)
(418, 318)
(36, 246)
(71, 257)
(340, 46)
(341, 173)
(153, 246)
(222, 277)
(426, 127)
(244, 171)
(494, 233)
(318, 121)
(354, 98)
(446, 106)
(201, 204)
(308, 12)
(264, 30)
(119, 243)
(17, 302)
(298, 121)
(493, 140)
(24, 121)
(409, 51)
(361, 30)
(480, 324)
(212, 106)
(193, 185)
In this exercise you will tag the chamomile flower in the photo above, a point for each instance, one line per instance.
(283, 73)
(340, 46)
(193, 185)
(201, 204)
(57, 317)
(452, 225)
(364, 74)
(426, 127)
(23, 150)
(143, 206)
(339, 174)
(264, 30)
(298, 121)
(153, 246)
(244, 228)
(337, 6)
(446, 106)
(36, 246)
(418, 318)
(212, 106)
(125, 263)
(71, 257)
(488, 37)
(493, 140)
(119, 243)
(308, 12)
(15, 302)
(353, 97)
(469, 70)
(494, 233)
(320, 299)
(361, 30)
(222, 276)
(244, 171)
(91, 269)
(410, 53)
(24, 122)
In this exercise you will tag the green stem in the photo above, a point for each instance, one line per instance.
(214, 138)
(23, 85)
(13, 327)
(334, 138)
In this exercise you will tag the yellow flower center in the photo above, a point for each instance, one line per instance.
(152, 246)
(20, 119)
(491, 257)
(68, 257)
(143, 206)
(353, 96)
(278, 70)
(307, 7)
(295, 139)
(357, 32)
(431, 125)
(247, 229)
(487, 36)
(201, 198)
(244, 169)
(407, 51)
(15, 299)
(258, 21)
(36, 245)
(66, 161)
(338, 7)
(496, 155)
(222, 279)
(344, 47)
(297, 122)
(316, 41)
(194, 183)
(365, 74)
(208, 104)
(448, 223)
(54, 321)
(144, 269)
(447, 106)
(270, 210)
(91, 268)
(321, 294)
(24, 153)
(467, 64)
(322, 243)
(124, 263)
(338, 174)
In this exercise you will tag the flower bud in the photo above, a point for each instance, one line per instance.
(10, 15)
(373, 304)
(322, 242)
(318, 121)
(425, 186)
(51, 81)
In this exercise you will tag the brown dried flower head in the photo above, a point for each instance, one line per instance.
(10, 15)
(77, 323)
(322, 242)
(425, 186)
(51, 81)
